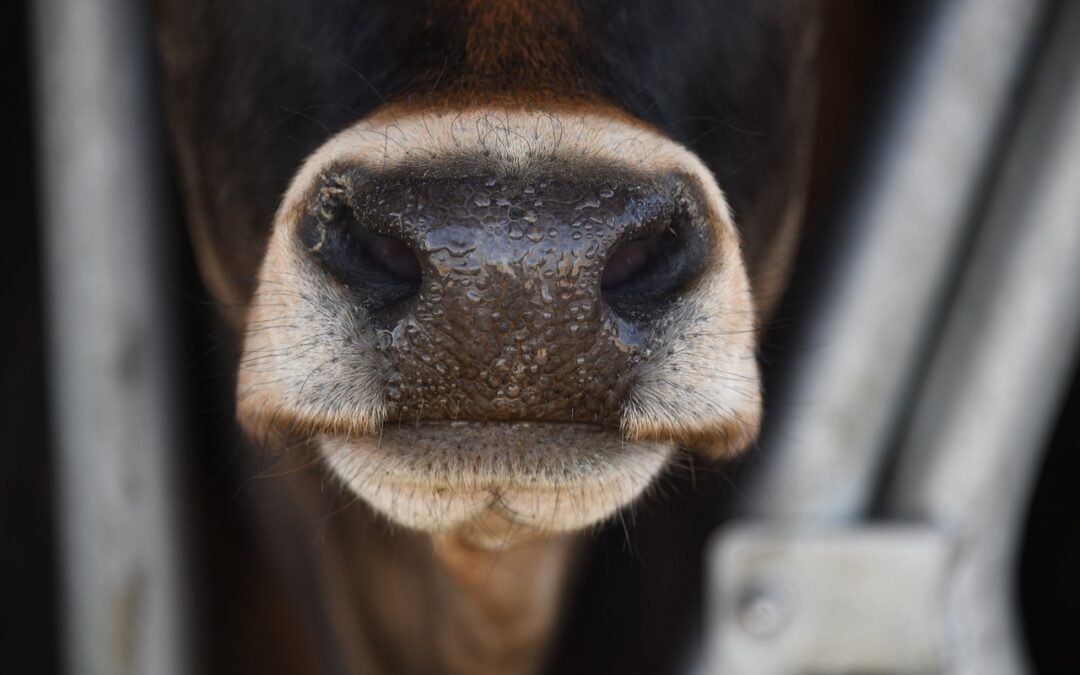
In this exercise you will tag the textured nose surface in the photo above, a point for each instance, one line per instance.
(507, 320)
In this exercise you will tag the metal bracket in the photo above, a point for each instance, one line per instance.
(860, 600)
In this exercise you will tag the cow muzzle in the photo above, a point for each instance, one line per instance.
(513, 318)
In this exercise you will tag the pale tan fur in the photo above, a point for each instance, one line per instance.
(547, 477)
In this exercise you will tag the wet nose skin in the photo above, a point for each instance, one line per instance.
(501, 298)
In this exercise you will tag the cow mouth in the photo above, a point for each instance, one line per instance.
(545, 477)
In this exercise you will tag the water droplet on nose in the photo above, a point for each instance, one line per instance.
(473, 295)
(383, 339)
(512, 390)
(516, 232)
(482, 200)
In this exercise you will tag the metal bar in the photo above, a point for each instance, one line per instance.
(827, 441)
(788, 600)
(109, 339)
(997, 381)
(860, 598)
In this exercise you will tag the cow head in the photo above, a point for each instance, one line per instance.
(494, 261)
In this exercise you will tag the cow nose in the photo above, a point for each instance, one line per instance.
(508, 298)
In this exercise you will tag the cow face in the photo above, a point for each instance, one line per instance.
(503, 283)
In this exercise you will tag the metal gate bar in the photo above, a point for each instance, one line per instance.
(829, 430)
(997, 381)
(110, 344)
(927, 585)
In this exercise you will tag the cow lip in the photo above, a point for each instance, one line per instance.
(493, 449)
(471, 424)
(545, 475)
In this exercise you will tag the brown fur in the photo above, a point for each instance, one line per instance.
(504, 51)
(516, 44)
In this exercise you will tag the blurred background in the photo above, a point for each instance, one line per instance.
(943, 168)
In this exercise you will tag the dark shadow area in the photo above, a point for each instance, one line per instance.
(864, 48)
(28, 597)
(1049, 590)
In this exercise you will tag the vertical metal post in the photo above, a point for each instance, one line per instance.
(969, 461)
(828, 439)
(819, 587)
(109, 342)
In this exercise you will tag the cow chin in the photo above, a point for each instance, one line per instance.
(454, 443)
(495, 481)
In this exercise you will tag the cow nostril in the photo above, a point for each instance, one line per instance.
(644, 276)
(382, 272)
(395, 257)
(627, 261)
